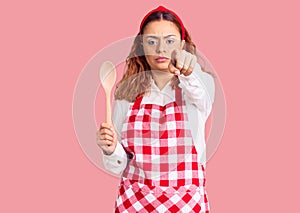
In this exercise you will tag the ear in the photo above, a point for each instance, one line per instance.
(182, 44)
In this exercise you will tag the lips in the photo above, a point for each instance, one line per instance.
(161, 59)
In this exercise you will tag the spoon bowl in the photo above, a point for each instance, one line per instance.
(107, 75)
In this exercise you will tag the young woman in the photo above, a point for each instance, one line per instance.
(162, 103)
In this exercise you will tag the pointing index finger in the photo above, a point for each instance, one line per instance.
(172, 64)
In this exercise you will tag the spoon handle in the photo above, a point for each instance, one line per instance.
(108, 108)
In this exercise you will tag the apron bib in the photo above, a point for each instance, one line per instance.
(163, 174)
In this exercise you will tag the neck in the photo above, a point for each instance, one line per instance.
(161, 78)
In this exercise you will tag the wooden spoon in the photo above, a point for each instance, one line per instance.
(107, 76)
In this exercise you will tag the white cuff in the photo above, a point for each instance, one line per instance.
(117, 161)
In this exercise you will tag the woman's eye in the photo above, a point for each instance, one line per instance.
(170, 41)
(151, 42)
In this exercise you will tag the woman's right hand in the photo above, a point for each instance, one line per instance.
(107, 138)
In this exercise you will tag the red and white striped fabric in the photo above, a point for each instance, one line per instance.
(163, 174)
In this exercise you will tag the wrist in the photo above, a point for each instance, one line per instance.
(106, 153)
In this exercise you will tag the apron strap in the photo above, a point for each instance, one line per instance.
(137, 102)
(178, 96)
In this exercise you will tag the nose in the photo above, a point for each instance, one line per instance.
(160, 47)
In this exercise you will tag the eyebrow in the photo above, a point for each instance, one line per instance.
(156, 37)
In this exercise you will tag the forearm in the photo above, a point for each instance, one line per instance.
(117, 161)
(198, 88)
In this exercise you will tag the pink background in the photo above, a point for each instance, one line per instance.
(44, 45)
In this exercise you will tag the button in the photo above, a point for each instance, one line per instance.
(119, 162)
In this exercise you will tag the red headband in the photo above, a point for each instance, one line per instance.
(163, 9)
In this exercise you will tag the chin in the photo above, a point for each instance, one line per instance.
(163, 69)
(161, 66)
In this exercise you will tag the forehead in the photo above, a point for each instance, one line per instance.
(161, 28)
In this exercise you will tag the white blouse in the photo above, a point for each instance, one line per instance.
(198, 92)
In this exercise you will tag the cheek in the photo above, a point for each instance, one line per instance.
(176, 46)
(172, 48)
(149, 51)
(149, 58)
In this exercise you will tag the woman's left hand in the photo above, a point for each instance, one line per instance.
(182, 62)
